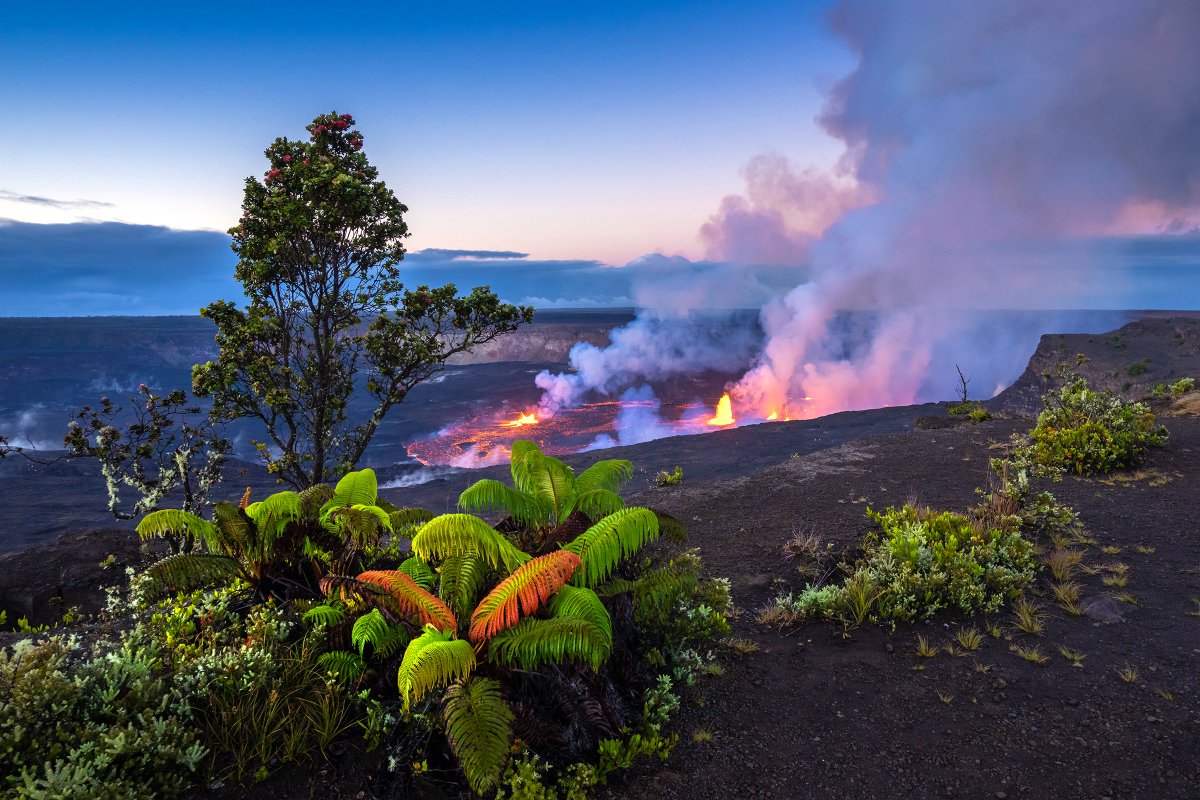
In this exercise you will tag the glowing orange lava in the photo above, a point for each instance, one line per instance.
(724, 412)
(774, 415)
(524, 419)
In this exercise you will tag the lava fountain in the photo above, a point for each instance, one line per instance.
(724, 414)
(486, 438)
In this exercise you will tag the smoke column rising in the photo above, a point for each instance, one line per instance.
(985, 145)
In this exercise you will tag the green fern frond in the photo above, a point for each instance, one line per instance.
(552, 484)
(460, 580)
(670, 527)
(185, 572)
(598, 503)
(356, 488)
(327, 614)
(658, 589)
(404, 520)
(617, 536)
(577, 603)
(347, 666)
(490, 495)
(609, 475)
(432, 660)
(420, 572)
(173, 522)
(312, 499)
(533, 643)
(479, 727)
(272, 515)
(233, 532)
(521, 594)
(463, 534)
(359, 524)
(372, 629)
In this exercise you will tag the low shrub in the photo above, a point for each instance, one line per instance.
(100, 724)
(973, 409)
(672, 478)
(1183, 386)
(1088, 432)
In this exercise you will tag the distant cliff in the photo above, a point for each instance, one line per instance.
(1129, 361)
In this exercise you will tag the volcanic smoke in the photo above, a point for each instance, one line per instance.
(983, 143)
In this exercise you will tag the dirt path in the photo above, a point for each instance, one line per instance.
(814, 715)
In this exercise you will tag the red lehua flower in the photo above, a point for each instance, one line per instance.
(287, 159)
(273, 173)
(321, 129)
(306, 161)
(360, 174)
(341, 124)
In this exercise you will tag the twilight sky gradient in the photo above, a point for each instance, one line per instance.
(667, 154)
(564, 130)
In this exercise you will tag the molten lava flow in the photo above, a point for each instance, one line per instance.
(524, 419)
(724, 412)
(774, 415)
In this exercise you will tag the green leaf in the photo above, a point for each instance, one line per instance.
(463, 534)
(432, 660)
(356, 488)
(479, 727)
(609, 541)
(489, 495)
(173, 522)
(420, 572)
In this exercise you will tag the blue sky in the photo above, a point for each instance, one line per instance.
(567, 130)
(665, 152)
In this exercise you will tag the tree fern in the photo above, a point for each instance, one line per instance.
(460, 581)
(617, 536)
(184, 572)
(327, 614)
(312, 499)
(404, 520)
(479, 727)
(347, 666)
(356, 488)
(533, 643)
(173, 522)
(372, 629)
(609, 475)
(411, 600)
(420, 572)
(272, 515)
(552, 484)
(521, 594)
(490, 495)
(233, 532)
(656, 589)
(670, 527)
(431, 661)
(578, 603)
(598, 503)
(463, 534)
(360, 524)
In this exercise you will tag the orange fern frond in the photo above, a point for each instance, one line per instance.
(245, 499)
(410, 599)
(521, 594)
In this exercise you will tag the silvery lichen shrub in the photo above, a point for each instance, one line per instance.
(1090, 432)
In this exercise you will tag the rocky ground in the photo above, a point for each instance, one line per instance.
(813, 712)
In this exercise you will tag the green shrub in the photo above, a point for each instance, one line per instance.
(1183, 386)
(924, 561)
(1088, 432)
(100, 725)
(672, 478)
(1137, 368)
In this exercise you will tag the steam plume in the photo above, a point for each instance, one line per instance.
(988, 148)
